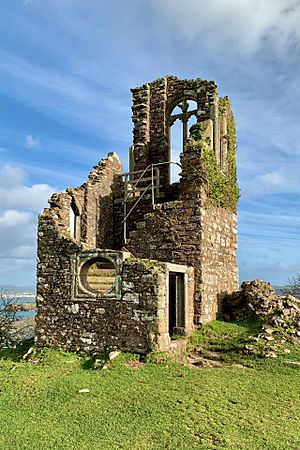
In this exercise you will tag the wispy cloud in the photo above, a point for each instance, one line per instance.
(281, 180)
(31, 142)
(65, 96)
(74, 62)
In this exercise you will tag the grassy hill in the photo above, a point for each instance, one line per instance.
(217, 398)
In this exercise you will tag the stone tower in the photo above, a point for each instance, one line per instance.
(145, 258)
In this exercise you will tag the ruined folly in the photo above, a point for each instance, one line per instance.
(129, 260)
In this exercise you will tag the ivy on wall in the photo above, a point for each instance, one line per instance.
(220, 185)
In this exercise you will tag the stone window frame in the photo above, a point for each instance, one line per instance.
(200, 114)
(80, 259)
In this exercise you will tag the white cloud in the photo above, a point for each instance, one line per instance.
(279, 181)
(12, 218)
(244, 24)
(33, 197)
(31, 142)
(275, 178)
(17, 235)
(19, 204)
(14, 194)
(11, 177)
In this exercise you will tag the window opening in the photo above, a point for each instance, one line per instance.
(72, 223)
(183, 116)
(176, 149)
(98, 275)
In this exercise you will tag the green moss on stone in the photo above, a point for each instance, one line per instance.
(220, 185)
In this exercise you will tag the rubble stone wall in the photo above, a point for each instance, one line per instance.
(135, 319)
(219, 272)
(194, 231)
(198, 235)
(98, 210)
(93, 204)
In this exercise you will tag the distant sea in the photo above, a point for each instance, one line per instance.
(27, 299)
(31, 299)
(280, 289)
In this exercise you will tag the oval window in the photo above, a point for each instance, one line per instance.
(98, 275)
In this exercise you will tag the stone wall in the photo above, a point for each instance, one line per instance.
(193, 230)
(219, 272)
(93, 203)
(134, 317)
(196, 234)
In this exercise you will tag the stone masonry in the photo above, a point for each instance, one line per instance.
(142, 259)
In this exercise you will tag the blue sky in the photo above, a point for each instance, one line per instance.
(66, 67)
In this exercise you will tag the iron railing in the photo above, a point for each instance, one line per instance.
(138, 187)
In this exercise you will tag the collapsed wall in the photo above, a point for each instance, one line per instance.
(277, 317)
(92, 298)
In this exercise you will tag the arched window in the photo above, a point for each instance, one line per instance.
(183, 115)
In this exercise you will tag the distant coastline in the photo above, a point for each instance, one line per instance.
(18, 295)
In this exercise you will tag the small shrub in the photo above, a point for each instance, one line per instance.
(293, 286)
(7, 320)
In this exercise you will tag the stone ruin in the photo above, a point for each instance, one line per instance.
(279, 316)
(130, 260)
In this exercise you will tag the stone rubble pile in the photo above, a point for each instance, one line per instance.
(279, 315)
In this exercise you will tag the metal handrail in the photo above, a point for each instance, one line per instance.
(143, 172)
(134, 188)
(136, 203)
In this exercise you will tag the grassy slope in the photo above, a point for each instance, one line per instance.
(155, 406)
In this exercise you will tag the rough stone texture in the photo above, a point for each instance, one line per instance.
(279, 315)
(185, 232)
(136, 320)
(93, 203)
(258, 298)
(185, 227)
(190, 230)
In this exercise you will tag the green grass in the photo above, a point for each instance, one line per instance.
(152, 406)
(227, 339)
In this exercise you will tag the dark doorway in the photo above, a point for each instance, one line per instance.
(176, 303)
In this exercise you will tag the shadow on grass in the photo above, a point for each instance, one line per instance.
(97, 361)
(17, 353)
(87, 361)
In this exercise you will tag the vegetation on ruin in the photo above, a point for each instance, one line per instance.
(221, 185)
(246, 402)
